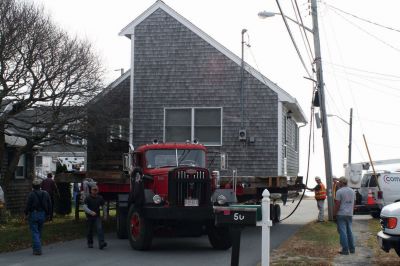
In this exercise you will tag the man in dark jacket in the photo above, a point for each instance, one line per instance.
(37, 209)
(50, 186)
(91, 207)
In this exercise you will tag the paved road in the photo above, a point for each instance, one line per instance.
(165, 251)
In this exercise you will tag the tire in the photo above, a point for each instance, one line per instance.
(140, 230)
(272, 213)
(122, 228)
(277, 210)
(397, 251)
(220, 237)
(376, 214)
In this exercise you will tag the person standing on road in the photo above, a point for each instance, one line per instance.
(50, 186)
(37, 209)
(344, 205)
(320, 196)
(91, 207)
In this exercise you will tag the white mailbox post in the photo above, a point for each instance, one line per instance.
(265, 223)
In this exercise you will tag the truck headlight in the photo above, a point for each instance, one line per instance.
(157, 199)
(221, 200)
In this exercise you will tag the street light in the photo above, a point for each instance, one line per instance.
(321, 94)
(350, 123)
(266, 14)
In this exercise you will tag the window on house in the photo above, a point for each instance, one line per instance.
(202, 124)
(117, 132)
(39, 161)
(296, 138)
(20, 170)
(207, 126)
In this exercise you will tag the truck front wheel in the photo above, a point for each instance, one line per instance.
(140, 230)
(220, 237)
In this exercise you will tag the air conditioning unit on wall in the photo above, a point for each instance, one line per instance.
(242, 135)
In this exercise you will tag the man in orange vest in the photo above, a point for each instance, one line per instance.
(320, 196)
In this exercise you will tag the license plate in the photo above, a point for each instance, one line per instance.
(191, 202)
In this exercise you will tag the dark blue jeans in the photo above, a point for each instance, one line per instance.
(36, 220)
(95, 222)
(345, 233)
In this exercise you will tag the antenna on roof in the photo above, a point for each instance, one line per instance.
(120, 69)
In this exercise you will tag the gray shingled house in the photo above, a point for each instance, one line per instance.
(183, 85)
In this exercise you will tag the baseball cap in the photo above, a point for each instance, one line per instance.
(343, 180)
(36, 181)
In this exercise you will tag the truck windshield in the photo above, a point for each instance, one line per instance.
(174, 158)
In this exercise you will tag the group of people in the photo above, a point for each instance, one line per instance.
(343, 211)
(40, 206)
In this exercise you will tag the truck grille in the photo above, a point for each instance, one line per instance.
(189, 183)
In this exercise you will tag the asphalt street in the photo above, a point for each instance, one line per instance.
(165, 251)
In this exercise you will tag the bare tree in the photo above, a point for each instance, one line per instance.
(46, 79)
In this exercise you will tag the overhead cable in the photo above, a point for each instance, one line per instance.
(367, 32)
(363, 19)
(292, 38)
(303, 28)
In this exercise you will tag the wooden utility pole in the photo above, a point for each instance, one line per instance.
(324, 120)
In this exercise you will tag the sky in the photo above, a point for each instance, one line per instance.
(361, 60)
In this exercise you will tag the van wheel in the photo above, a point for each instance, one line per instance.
(220, 237)
(140, 230)
(376, 214)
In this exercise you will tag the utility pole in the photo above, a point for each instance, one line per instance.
(324, 120)
(350, 133)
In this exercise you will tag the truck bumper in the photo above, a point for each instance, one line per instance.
(386, 242)
(179, 213)
(366, 209)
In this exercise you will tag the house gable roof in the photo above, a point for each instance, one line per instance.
(283, 96)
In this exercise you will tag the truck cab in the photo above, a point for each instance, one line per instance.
(389, 237)
(171, 190)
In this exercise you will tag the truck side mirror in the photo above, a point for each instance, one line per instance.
(224, 161)
(126, 163)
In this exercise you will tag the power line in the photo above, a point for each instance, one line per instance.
(292, 38)
(363, 19)
(362, 70)
(304, 35)
(368, 33)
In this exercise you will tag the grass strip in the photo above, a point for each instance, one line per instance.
(15, 234)
(380, 257)
(314, 244)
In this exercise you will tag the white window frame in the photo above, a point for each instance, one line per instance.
(192, 126)
(21, 163)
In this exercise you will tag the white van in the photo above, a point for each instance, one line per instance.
(386, 193)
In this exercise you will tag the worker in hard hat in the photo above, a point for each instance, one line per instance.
(320, 196)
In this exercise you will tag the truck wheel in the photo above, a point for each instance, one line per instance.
(140, 230)
(397, 251)
(277, 210)
(122, 231)
(219, 237)
(376, 214)
(272, 213)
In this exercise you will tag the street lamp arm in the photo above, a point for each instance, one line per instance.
(330, 115)
(266, 14)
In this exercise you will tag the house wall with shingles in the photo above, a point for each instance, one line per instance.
(174, 67)
(290, 141)
(111, 108)
(17, 190)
